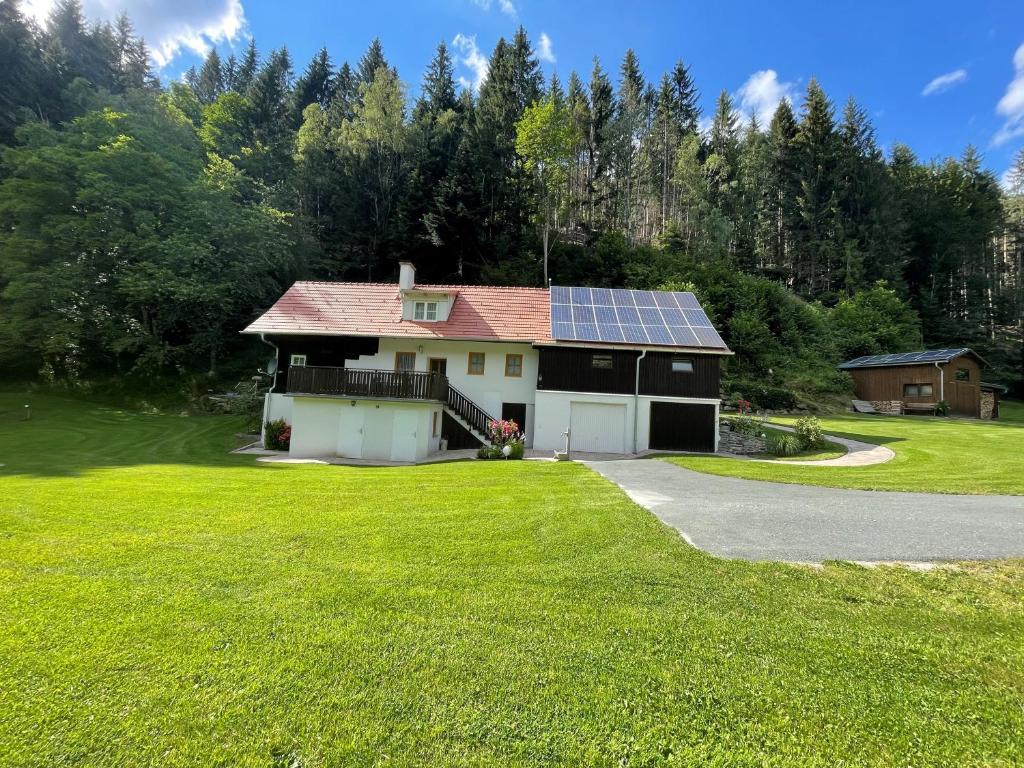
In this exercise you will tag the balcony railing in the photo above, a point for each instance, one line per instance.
(356, 382)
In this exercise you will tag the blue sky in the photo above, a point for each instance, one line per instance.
(936, 75)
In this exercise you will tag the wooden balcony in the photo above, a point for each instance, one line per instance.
(364, 383)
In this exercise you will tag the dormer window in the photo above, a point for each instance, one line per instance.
(425, 310)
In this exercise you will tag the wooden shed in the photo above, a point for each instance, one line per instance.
(909, 382)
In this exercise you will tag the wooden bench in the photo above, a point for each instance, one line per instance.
(920, 408)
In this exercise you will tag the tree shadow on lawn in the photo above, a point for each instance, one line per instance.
(67, 436)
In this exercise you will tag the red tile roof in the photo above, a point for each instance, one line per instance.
(375, 309)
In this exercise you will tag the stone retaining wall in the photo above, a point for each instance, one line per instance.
(734, 442)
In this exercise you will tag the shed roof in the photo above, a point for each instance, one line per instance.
(924, 357)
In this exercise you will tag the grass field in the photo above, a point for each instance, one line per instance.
(165, 604)
(932, 454)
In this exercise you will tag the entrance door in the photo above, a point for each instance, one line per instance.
(516, 412)
(597, 427)
(403, 436)
(350, 432)
(438, 365)
(682, 427)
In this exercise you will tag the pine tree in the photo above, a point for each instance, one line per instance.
(818, 252)
(629, 122)
(438, 92)
(599, 140)
(370, 62)
(210, 82)
(685, 99)
(578, 105)
(315, 86)
(346, 94)
(783, 192)
(246, 72)
(270, 99)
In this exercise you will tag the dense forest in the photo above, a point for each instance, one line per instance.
(143, 224)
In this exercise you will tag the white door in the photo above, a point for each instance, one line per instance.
(403, 436)
(377, 433)
(597, 427)
(350, 432)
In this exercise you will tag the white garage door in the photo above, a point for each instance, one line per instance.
(598, 427)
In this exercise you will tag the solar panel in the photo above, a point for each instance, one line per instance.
(618, 315)
(905, 358)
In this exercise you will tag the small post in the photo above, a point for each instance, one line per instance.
(28, 412)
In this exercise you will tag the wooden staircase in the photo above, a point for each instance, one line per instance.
(468, 415)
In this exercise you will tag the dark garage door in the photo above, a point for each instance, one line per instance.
(682, 427)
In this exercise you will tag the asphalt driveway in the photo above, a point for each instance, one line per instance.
(754, 520)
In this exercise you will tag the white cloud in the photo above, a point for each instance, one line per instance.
(945, 82)
(1011, 106)
(168, 28)
(469, 55)
(506, 6)
(762, 94)
(544, 51)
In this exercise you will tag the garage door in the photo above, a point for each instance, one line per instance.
(598, 427)
(682, 427)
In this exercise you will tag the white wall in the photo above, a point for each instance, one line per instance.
(277, 406)
(316, 422)
(553, 413)
(488, 391)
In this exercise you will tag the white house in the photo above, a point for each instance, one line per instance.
(384, 371)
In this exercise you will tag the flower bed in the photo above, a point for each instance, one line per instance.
(507, 442)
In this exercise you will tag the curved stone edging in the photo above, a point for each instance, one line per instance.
(858, 454)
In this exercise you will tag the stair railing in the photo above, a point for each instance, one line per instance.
(471, 413)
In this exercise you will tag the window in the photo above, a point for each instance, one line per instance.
(514, 365)
(917, 390)
(476, 364)
(298, 360)
(963, 374)
(437, 424)
(405, 361)
(601, 361)
(682, 365)
(424, 310)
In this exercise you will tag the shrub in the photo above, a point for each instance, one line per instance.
(942, 408)
(783, 444)
(745, 424)
(277, 435)
(766, 397)
(502, 432)
(808, 429)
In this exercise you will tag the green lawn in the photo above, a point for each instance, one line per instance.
(932, 454)
(167, 605)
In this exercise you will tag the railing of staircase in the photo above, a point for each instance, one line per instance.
(357, 382)
(474, 415)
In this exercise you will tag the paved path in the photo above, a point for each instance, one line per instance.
(857, 454)
(754, 520)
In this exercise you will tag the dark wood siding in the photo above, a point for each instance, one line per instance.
(682, 427)
(658, 378)
(331, 351)
(570, 369)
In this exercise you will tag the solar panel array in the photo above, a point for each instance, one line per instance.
(905, 358)
(621, 316)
